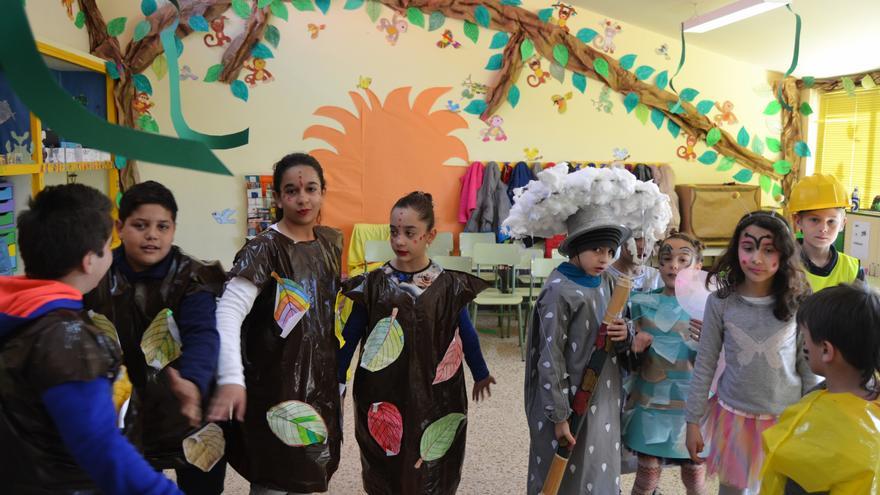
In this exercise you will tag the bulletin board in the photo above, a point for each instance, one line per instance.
(260, 203)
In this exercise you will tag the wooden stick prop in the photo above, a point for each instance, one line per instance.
(604, 347)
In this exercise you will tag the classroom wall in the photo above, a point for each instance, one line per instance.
(313, 73)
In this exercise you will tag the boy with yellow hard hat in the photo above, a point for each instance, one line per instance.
(818, 203)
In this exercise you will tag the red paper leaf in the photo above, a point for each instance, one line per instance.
(451, 360)
(386, 426)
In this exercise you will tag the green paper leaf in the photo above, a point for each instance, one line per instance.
(296, 424)
(511, 2)
(657, 118)
(481, 15)
(472, 31)
(353, 4)
(142, 83)
(868, 82)
(499, 40)
(438, 437)
(112, 71)
(178, 43)
(726, 164)
(279, 9)
(261, 51)
(160, 343)
(848, 84)
(586, 35)
(773, 108)
(644, 72)
(782, 167)
(374, 10)
(802, 149)
(758, 145)
(579, 81)
(475, 107)
(675, 107)
(415, 16)
(777, 192)
(705, 106)
(766, 183)
(560, 54)
(806, 109)
(272, 35)
(120, 162)
(239, 90)
(630, 101)
(116, 26)
(513, 96)
(809, 81)
(384, 344)
(263, 3)
(600, 65)
(241, 8)
(662, 80)
(436, 21)
(545, 14)
(495, 62)
(673, 128)
(627, 61)
(744, 175)
(148, 7)
(527, 49)
(141, 31)
(303, 5)
(160, 66)
(688, 94)
(80, 20)
(323, 5)
(742, 137)
(213, 73)
(642, 113)
(708, 157)
(713, 136)
(774, 145)
(196, 22)
(557, 71)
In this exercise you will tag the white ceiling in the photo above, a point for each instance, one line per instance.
(838, 37)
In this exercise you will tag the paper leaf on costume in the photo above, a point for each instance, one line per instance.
(415, 16)
(112, 70)
(691, 292)
(806, 109)
(688, 94)
(708, 157)
(241, 8)
(774, 145)
(527, 49)
(451, 361)
(481, 15)
(384, 344)
(475, 107)
(472, 31)
(511, 2)
(557, 71)
(644, 72)
(782, 167)
(80, 20)
(148, 7)
(373, 9)
(303, 5)
(161, 342)
(742, 137)
(801, 149)
(142, 83)
(579, 81)
(436, 20)
(560, 55)
(627, 61)
(868, 82)
(766, 183)
(848, 84)
(499, 40)
(116, 26)
(743, 175)
(142, 30)
(726, 164)
(758, 145)
(438, 437)
(291, 303)
(777, 192)
(601, 66)
(239, 90)
(773, 108)
(673, 128)
(513, 96)
(386, 426)
(323, 5)
(662, 80)
(353, 4)
(297, 424)
(261, 51)
(213, 73)
(103, 324)
(630, 101)
(272, 35)
(586, 35)
(545, 14)
(197, 23)
(279, 9)
(809, 81)
(495, 62)
(642, 113)
(705, 106)
(657, 118)
(204, 448)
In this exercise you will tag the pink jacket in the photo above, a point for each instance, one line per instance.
(470, 184)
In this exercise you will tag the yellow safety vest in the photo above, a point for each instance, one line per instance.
(845, 271)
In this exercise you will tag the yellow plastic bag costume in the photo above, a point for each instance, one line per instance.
(824, 443)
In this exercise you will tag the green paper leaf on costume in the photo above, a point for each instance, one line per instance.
(586, 35)
(161, 341)
(644, 72)
(802, 149)
(415, 16)
(148, 7)
(766, 183)
(197, 23)
(777, 192)
(657, 118)
(713, 136)
(560, 54)
(475, 107)
(726, 164)
(103, 324)
(868, 82)
(600, 65)
(112, 71)
(673, 128)
(239, 90)
(627, 61)
(373, 9)
(263, 3)
(848, 84)
(213, 73)
(481, 15)
(353, 4)
(80, 20)
(742, 137)
(495, 62)
(688, 94)
(279, 9)
(511, 2)
(513, 96)
(806, 109)
(744, 175)
(436, 21)
(141, 31)
(323, 5)
(472, 31)
(773, 108)
(261, 51)
(438, 438)
(774, 145)
(297, 424)
(116, 26)
(272, 35)
(630, 101)
(241, 8)
(642, 113)
(705, 106)
(708, 157)
(545, 14)
(662, 80)
(527, 49)
(809, 81)
(384, 344)
(782, 167)
(579, 81)
(499, 40)
(303, 5)
(758, 145)
(557, 71)
(142, 83)
(204, 448)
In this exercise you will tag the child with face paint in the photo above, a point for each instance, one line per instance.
(761, 282)
(654, 421)
(416, 378)
(632, 263)
(277, 341)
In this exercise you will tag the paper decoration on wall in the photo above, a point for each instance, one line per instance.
(868, 82)
(258, 73)
(604, 103)
(451, 362)
(161, 341)
(472, 89)
(563, 13)
(438, 437)
(364, 82)
(19, 152)
(392, 28)
(447, 39)
(297, 424)
(561, 101)
(513, 95)
(384, 344)
(68, 6)
(848, 85)
(532, 154)
(186, 73)
(6, 112)
(204, 448)
(606, 42)
(224, 217)
(663, 51)
(557, 71)
(315, 29)
(494, 131)
(217, 37)
(687, 151)
(452, 106)
(620, 156)
(538, 76)
(725, 115)
(291, 303)
(386, 426)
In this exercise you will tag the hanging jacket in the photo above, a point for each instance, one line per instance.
(470, 184)
(493, 205)
(520, 177)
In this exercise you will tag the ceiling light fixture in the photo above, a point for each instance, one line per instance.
(730, 13)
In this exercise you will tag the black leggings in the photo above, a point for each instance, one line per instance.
(194, 481)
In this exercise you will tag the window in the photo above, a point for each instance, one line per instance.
(849, 140)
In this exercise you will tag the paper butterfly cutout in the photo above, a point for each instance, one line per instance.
(769, 348)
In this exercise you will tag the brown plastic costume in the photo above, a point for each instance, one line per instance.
(57, 348)
(429, 323)
(153, 421)
(301, 367)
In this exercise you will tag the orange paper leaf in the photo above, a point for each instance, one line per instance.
(451, 360)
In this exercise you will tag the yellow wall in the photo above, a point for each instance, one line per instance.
(312, 73)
